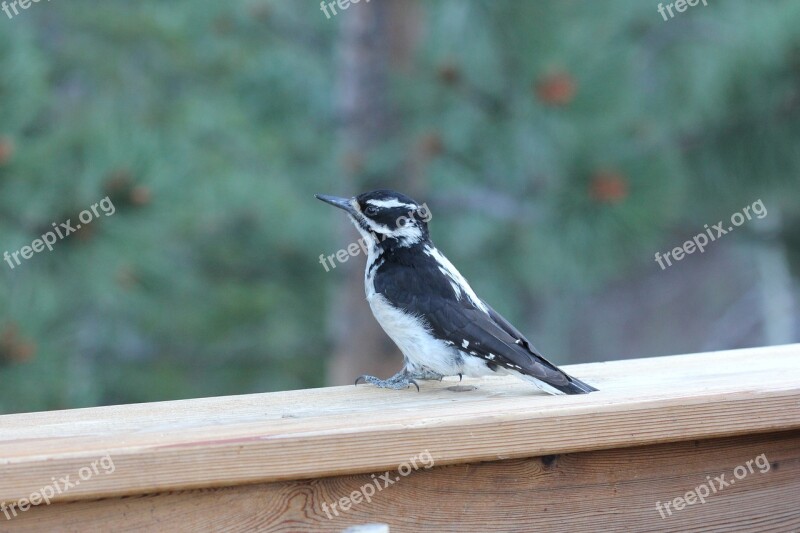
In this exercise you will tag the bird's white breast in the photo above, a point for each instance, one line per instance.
(411, 335)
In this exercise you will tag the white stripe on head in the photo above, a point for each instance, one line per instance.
(407, 234)
(394, 202)
(377, 228)
(368, 235)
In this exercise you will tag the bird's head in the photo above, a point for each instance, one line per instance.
(385, 216)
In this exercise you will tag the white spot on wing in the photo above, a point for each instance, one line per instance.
(456, 288)
(465, 343)
(451, 272)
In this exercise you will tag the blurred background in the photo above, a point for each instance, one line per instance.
(559, 145)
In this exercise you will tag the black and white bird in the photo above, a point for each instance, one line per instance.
(427, 307)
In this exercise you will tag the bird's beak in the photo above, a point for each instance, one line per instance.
(341, 203)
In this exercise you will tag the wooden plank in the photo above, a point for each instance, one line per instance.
(342, 430)
(608, 490)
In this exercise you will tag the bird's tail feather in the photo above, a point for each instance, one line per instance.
(575, 386)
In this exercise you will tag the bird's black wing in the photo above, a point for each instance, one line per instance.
(476, 332)
(519, 338)
(574, 386)
(489, 336)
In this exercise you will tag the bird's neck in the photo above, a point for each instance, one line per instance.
(393, 251)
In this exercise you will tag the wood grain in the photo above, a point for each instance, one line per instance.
(608, 490)
(217, 442)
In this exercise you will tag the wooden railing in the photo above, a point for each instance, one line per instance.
(479, 455)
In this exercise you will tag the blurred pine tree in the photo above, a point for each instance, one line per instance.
(567, 141)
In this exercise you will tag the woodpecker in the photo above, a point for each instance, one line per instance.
(427, 307)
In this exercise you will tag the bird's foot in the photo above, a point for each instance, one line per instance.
(426, 374)
(401, 380)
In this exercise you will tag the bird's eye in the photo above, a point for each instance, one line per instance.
(371, 211)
